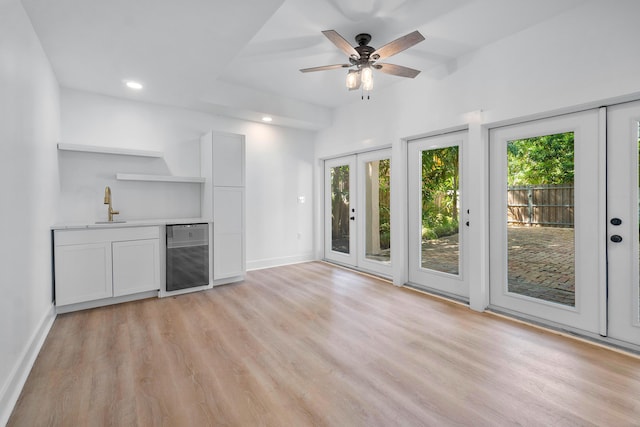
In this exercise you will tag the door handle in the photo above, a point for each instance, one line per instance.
(616, 239)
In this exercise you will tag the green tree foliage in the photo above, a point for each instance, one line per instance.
(440, 183)
(339, 205)
(541, 160)
(385, 203)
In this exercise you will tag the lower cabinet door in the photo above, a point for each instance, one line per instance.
(83, 272)
(228, 232)
(135, 266)
(228, 255)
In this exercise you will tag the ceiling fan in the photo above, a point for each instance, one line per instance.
(365, 58)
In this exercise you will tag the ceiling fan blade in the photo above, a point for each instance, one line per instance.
(397, 46)
(341, 43)
(325, 67)
(397, 70)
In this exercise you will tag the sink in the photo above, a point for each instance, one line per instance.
(111, 222)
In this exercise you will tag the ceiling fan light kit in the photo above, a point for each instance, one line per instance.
(364, 58)
(353, 79)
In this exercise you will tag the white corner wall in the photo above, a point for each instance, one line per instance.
(279, 168)
(29, 129)
(581, 57)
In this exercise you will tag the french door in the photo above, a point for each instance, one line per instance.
(623, 144)
(358, 211)
(340, 210)
(547, 255)
(437, 214)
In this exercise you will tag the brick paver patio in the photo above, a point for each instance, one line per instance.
(541, 261)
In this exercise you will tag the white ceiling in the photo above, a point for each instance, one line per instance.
(241, 58)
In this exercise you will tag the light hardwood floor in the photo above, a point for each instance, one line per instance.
(313, 344)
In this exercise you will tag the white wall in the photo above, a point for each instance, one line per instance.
(583, 56)
(279, 169)
(29, 128)
(89, 119)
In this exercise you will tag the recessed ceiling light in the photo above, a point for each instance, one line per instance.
(133, 85)
(267, 119)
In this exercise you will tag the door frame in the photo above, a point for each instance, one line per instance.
(622, 202)
(356, 258)
(592, 301)
(350, 258)
(452, 285)
(385, 269)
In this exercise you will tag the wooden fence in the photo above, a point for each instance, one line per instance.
(541, 205)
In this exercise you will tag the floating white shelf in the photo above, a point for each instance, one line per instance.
(159, 178)
(109, 150)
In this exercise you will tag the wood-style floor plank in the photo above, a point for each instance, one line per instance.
(314, 344)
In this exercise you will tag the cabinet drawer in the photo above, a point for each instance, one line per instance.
(75, 237)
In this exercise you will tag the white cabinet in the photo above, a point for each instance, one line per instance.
(135, 266)
(98, 264)
(228, 160)
(223, 199)
(83, 272)
(228, 232)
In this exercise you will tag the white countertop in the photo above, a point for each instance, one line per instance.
(129, 223)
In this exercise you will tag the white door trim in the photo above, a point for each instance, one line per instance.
(586, 315)
(456, 285)
(350, 258)
(622, 203)
(363, 262)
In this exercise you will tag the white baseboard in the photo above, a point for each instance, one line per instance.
(12, 388)
(276, 262)
(60, 309)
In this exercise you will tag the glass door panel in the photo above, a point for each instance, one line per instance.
(623, 171)
(545, 220)
(377, 209)
(540, 231)
(436, 204)
(340, 233)
(340, 209)
(374, 191)
(439, 210)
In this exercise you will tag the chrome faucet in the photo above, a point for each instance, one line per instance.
(107, 201)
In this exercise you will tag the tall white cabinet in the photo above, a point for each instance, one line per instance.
(222, 157)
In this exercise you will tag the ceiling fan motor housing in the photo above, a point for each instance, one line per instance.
(363, 49)
(363, 39)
